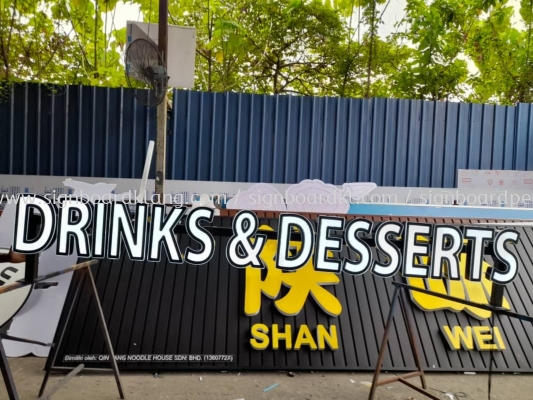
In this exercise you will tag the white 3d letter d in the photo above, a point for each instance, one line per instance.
(21, 243)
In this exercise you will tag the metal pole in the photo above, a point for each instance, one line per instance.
(162, 108)
(52, 357)
(6, 373)
(105, 332)
(384, 341)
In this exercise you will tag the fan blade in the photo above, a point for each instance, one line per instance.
(146, 72)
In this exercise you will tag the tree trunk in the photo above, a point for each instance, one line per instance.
(276, 77)
(372, 31)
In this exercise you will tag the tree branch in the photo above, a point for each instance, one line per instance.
(5, 46)
(58, 46)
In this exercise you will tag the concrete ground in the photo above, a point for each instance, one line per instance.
(28, 373)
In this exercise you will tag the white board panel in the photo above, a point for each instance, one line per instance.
(494, 179)
(181, 50)
(12, 302)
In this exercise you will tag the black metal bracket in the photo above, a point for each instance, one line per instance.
(44, 285)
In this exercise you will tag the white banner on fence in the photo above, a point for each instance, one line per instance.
(182, 192)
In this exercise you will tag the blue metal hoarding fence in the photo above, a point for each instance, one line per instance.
(104, 132)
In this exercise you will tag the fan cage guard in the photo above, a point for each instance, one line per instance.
(142, 54)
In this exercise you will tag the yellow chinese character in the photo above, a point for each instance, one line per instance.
(302, 283)
(478, 292)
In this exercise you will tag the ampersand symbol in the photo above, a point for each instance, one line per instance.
(241, 252)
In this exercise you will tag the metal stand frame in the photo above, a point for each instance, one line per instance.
(4, 365)
(6, 374)
(398, 297)
(420, 372)
(53, 356)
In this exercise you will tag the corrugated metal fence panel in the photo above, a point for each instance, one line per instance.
(102, 132)
(74, 130)
(164, 308)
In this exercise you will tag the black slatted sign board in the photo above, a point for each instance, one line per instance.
(182, 310)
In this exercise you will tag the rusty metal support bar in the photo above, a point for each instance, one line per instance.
(377, 372)
(63, 382)
(17, 339)
(105, 332)
(6, 374)
(418, 389)
(398, 297)
(22, 283)
(103, 326)
(397, 378)
(412, 342)
(466, 302)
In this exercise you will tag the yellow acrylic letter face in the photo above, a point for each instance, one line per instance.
(459, 338)
(305, 338)
(478, 292)
(260, 339)
(483, 337)
(277, 336)
(302, 283)
(470, 337)
(325, 336)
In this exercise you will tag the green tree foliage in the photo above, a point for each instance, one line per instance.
(60, 42)
(433, 70)
(274, 46)
(469, 50)
(31, 45)
(502, 53)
